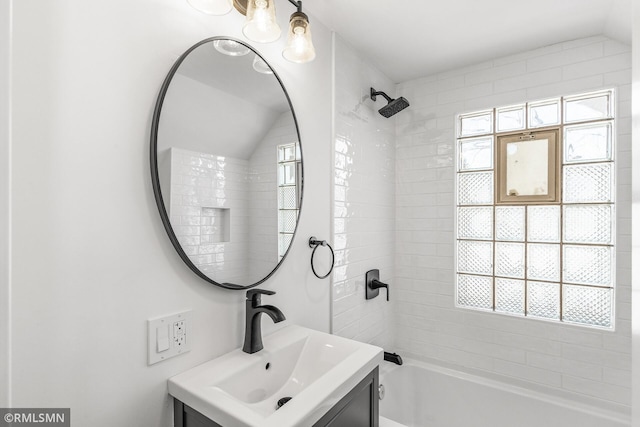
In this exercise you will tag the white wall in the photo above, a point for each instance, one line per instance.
(91, 261)
(594, 364)
(636, 213)
(5, 196)
(363, 213)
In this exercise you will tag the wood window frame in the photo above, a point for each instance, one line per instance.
(554, 167)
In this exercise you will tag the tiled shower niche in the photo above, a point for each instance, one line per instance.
(214, 225)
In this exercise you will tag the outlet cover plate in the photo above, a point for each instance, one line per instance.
(177, 327)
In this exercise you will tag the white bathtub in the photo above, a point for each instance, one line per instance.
(418, 394)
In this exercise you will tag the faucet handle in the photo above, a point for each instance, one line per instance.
(254, 294)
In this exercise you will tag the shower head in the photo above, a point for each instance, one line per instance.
(393, 105)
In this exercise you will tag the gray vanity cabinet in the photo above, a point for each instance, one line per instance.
(359, 408)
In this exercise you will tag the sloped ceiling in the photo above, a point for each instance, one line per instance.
(407, 39)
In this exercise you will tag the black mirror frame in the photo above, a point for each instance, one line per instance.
(155, 179)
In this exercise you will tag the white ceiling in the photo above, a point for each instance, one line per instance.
(236, 76)
(218, 104)
(407, 39)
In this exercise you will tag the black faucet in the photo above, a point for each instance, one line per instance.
(253, 327)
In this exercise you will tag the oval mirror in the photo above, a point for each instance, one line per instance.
(226, 163)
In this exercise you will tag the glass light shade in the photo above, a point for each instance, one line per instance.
(212, 7)
(299, 45)
(260, 66)
(231, 48)
(261, 25)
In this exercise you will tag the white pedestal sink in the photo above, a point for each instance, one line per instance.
(315, 369)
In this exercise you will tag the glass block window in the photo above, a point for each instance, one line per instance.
(546, 260)
(289, 186)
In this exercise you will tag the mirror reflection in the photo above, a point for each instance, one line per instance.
(229, 164)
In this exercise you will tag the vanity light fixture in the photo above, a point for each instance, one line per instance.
(261, 25)
(231, 48)
(260, 66)
(299, 45)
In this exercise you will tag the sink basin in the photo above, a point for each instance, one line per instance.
(312, 368)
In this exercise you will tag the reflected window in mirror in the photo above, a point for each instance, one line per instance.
(289, 193)
(535, 215)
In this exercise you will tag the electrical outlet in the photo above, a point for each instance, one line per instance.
(178, 328)
(167, 336)
(180, 342)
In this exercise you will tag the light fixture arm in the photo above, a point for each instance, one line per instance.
(299, 46)
(297, 4)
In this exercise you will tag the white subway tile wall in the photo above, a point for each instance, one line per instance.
(224, 210)
(200, 183)
(364, 202)
(592, 363)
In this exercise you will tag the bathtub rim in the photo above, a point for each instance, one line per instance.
(611, 411)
